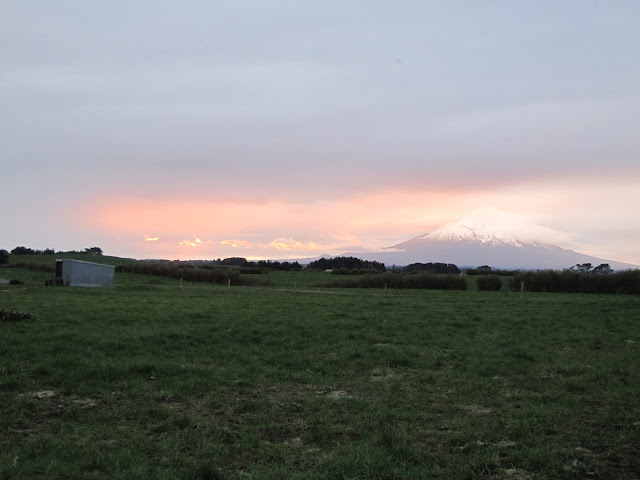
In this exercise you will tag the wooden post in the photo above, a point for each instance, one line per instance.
(295, 287)
(229, 283)
(521, 288)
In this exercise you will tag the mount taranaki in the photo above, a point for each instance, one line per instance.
(472, 245)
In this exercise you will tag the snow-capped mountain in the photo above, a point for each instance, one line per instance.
(456, 232)
(472, 242)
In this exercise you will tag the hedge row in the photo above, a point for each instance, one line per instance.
(354, 271)
(489, 283)
(40, 267)
(426, 281)
(627, 282)
(190, 274)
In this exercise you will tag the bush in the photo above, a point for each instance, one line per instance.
(489, 283)
(4, 257)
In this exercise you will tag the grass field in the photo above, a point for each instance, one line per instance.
(153, 380)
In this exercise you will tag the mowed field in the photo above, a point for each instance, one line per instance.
(151, 379)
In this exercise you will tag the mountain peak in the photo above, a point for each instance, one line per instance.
(494, 227)
(472, 231)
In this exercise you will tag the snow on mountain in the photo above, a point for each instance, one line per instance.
(457, 232)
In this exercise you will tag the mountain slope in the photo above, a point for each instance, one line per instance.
(472, 244)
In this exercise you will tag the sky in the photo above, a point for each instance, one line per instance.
(291, 129)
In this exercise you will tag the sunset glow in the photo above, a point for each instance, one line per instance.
(372, 221)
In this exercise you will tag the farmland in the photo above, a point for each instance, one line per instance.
(154, 379)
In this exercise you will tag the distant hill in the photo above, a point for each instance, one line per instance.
(51, 258)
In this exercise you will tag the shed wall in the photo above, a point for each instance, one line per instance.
(77, 273)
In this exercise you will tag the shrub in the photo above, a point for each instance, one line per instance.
(4, 257)
(489, 283)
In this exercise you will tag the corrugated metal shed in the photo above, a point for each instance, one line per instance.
(76, 273)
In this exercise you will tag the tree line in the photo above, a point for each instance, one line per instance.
(258, 266)
(21, 250)
(349, 263)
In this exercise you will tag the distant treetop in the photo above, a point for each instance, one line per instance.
(50, 251)
(346, 262)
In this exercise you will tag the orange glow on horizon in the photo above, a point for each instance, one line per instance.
(290, 229)
(398, 211)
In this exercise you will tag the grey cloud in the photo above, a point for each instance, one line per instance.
(315, 95)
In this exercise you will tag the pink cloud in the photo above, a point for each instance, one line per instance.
(238, 243)
(191, 243)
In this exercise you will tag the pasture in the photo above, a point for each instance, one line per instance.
(153, 380)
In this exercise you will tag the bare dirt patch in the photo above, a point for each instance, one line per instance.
(518, 474)
(477, 410)
(505, 444)
(43, 394)
(338, 394)
(377, 376)
(49, 405)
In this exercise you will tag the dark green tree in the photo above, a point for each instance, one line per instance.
(581, 267)
(603, 268)
(432, 267)
(234, 262)
(22, 251)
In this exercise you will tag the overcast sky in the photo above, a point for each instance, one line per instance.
(282, 129)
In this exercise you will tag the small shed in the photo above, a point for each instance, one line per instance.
(76, 273)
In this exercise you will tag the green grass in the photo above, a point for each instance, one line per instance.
(153, 380)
